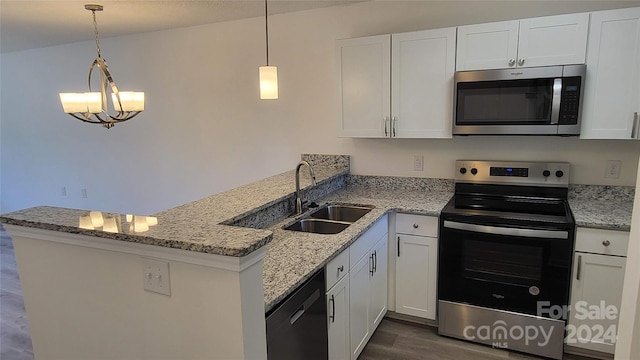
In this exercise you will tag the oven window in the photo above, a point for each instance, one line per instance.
(506, 102)
(511, 264)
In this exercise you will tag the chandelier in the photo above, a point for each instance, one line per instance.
(92, 107)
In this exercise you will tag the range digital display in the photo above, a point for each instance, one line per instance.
(509, 171)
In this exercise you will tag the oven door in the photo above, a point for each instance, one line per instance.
(504, 267)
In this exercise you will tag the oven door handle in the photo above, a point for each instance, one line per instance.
(533, 233)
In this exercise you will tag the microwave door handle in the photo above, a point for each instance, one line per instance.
(555, 101)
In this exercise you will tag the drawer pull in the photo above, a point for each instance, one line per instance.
(579, 267)
(415, 226)
(606, 243)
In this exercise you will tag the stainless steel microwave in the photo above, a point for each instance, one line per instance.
(523, 101)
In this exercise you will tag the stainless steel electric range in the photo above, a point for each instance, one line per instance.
(505, 252)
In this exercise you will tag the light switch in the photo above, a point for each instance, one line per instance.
(155, 276)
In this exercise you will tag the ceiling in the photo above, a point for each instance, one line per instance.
(28, 24)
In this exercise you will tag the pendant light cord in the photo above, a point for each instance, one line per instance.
(266, 25)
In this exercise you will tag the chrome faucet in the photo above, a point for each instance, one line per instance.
(313, 183)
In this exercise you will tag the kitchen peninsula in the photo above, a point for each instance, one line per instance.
(229, 260)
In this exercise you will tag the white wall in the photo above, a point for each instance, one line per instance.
(205, 131)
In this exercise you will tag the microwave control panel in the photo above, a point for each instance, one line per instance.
(570, 101)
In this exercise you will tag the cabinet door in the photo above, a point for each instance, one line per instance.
(359, 304)
(379, 283)
(487, 46)
(416, 278)
(611, 94)
(423, 64)
(338, 318)
(364, 76)
(553, 40)
(597, 282)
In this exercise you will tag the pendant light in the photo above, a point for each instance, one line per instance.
(92, 107)
(268, 74)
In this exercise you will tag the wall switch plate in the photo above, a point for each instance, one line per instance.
(613, 169)
(418, 163)
(83, 193)
(155, 276)
(63, 191)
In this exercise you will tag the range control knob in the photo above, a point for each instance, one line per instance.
(463, 170)
(559, 173)
(546, 173)
(474, 171)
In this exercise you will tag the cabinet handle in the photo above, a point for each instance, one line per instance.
(395, 121)
(340, 269)
(606, 243)
(333, 309)
(415, 226)
(579, 267)
(520, 62)
(512, 62)
(371, 264)
(386, 123)
(634, 129)
(398, 246)
(375, 261)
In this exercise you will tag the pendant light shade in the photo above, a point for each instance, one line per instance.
(268, 73)
(268, 82)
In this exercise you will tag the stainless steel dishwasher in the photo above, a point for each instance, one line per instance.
(297, 327)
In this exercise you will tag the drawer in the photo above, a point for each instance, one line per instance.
(365, 242)
(417, 225)
(337, 268)
(596, 240)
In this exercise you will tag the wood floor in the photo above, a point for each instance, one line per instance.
(394, 339)
(397, 339)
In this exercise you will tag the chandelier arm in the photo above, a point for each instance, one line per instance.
(86, 118)
(105, 78)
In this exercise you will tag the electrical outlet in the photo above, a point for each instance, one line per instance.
(418, 163)
(83, 192)
(63, 191)
(155, 276)
(613, 169)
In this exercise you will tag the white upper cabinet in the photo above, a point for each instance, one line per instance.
(364, 75)
(611, 95)
(397, 86)
(544, 41)
(423, 64)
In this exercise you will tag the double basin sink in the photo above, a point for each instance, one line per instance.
(330, 219)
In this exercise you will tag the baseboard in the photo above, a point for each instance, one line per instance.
(588, 353)
(412, 319)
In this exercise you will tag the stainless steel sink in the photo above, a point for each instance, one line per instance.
(348, 213)
(318, 226)
(330, 219)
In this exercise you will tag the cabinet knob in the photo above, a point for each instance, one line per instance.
(606, 243)
(512, 62)
(341, 268)
(415, 226)
(520, 62)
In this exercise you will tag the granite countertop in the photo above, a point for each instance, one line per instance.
(293, 257)
(241, 220)
(198, 225)
(602, 207)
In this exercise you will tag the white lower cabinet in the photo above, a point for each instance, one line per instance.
(357, 292)
(416, 265)
(338, 318)
(367, 285)
(596, 289)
